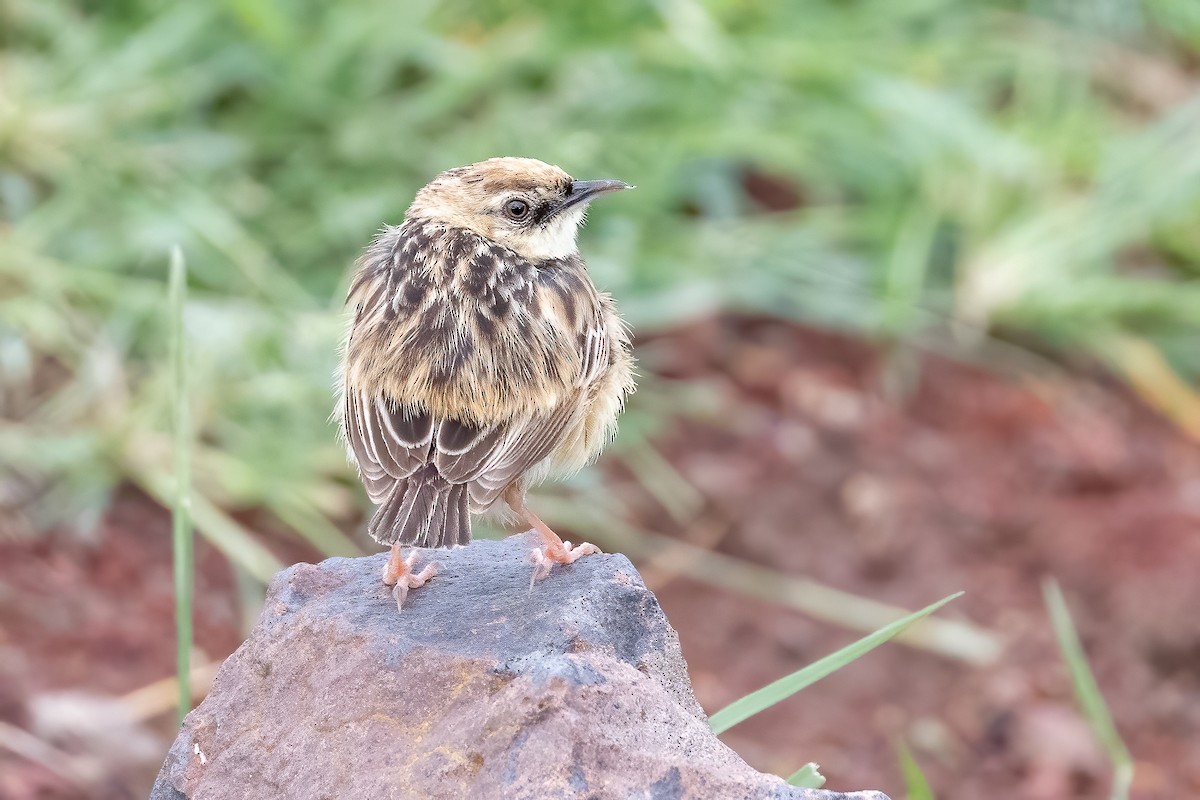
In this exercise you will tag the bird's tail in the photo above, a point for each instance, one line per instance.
(423, 510)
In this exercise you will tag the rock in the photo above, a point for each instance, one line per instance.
(480, 688)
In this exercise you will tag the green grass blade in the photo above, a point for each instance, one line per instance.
(807, 777)
(1087, 692)
(769, 695)
(915, 785)
(181, 529)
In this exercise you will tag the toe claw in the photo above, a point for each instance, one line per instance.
(541, 565)
(544, 558)
(430, 570)
(401, 579)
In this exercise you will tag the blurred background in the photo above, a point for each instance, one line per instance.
(916, 285)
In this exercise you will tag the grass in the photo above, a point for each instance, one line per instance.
(181, 525)
(1087, 691)
(807, 777)
(776, 692)
(742, 709)
(916, 786)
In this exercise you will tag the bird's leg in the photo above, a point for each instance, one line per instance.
(398, 573)
(555, 551)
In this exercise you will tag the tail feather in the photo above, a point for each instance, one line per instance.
(423, 510)
(457, 528)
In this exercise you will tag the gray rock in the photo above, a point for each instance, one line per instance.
(480, 688)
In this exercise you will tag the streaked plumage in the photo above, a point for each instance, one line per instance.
(480, 357)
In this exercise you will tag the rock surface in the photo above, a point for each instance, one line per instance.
(480, 688)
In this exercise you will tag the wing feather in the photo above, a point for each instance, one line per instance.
(529, 441)
(368, 463)
(595, 355)
(406, 437)
(390, 442)
(463, 450)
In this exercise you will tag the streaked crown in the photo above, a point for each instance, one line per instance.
(526, 205)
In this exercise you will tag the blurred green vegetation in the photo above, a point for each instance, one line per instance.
(924, 171)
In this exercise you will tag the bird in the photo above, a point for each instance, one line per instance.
(479, 359)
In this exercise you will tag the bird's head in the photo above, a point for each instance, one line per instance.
(526, 205)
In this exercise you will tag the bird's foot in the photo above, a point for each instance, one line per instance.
(398, 573)
(557, 552)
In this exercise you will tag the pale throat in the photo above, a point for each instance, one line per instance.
(556, 239)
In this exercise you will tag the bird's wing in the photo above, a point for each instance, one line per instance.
(531, 439)
(391, 442)
(388, 443)
(527, 442)
(594, 357)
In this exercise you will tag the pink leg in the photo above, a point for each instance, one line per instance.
(398, 574)
(555, 551)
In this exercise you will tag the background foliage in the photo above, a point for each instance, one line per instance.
(934, 173)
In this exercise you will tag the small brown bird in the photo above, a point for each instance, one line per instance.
(480, 359)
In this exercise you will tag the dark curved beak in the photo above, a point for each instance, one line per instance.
(586, 191)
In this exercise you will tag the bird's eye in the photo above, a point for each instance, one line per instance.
(516, 209)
